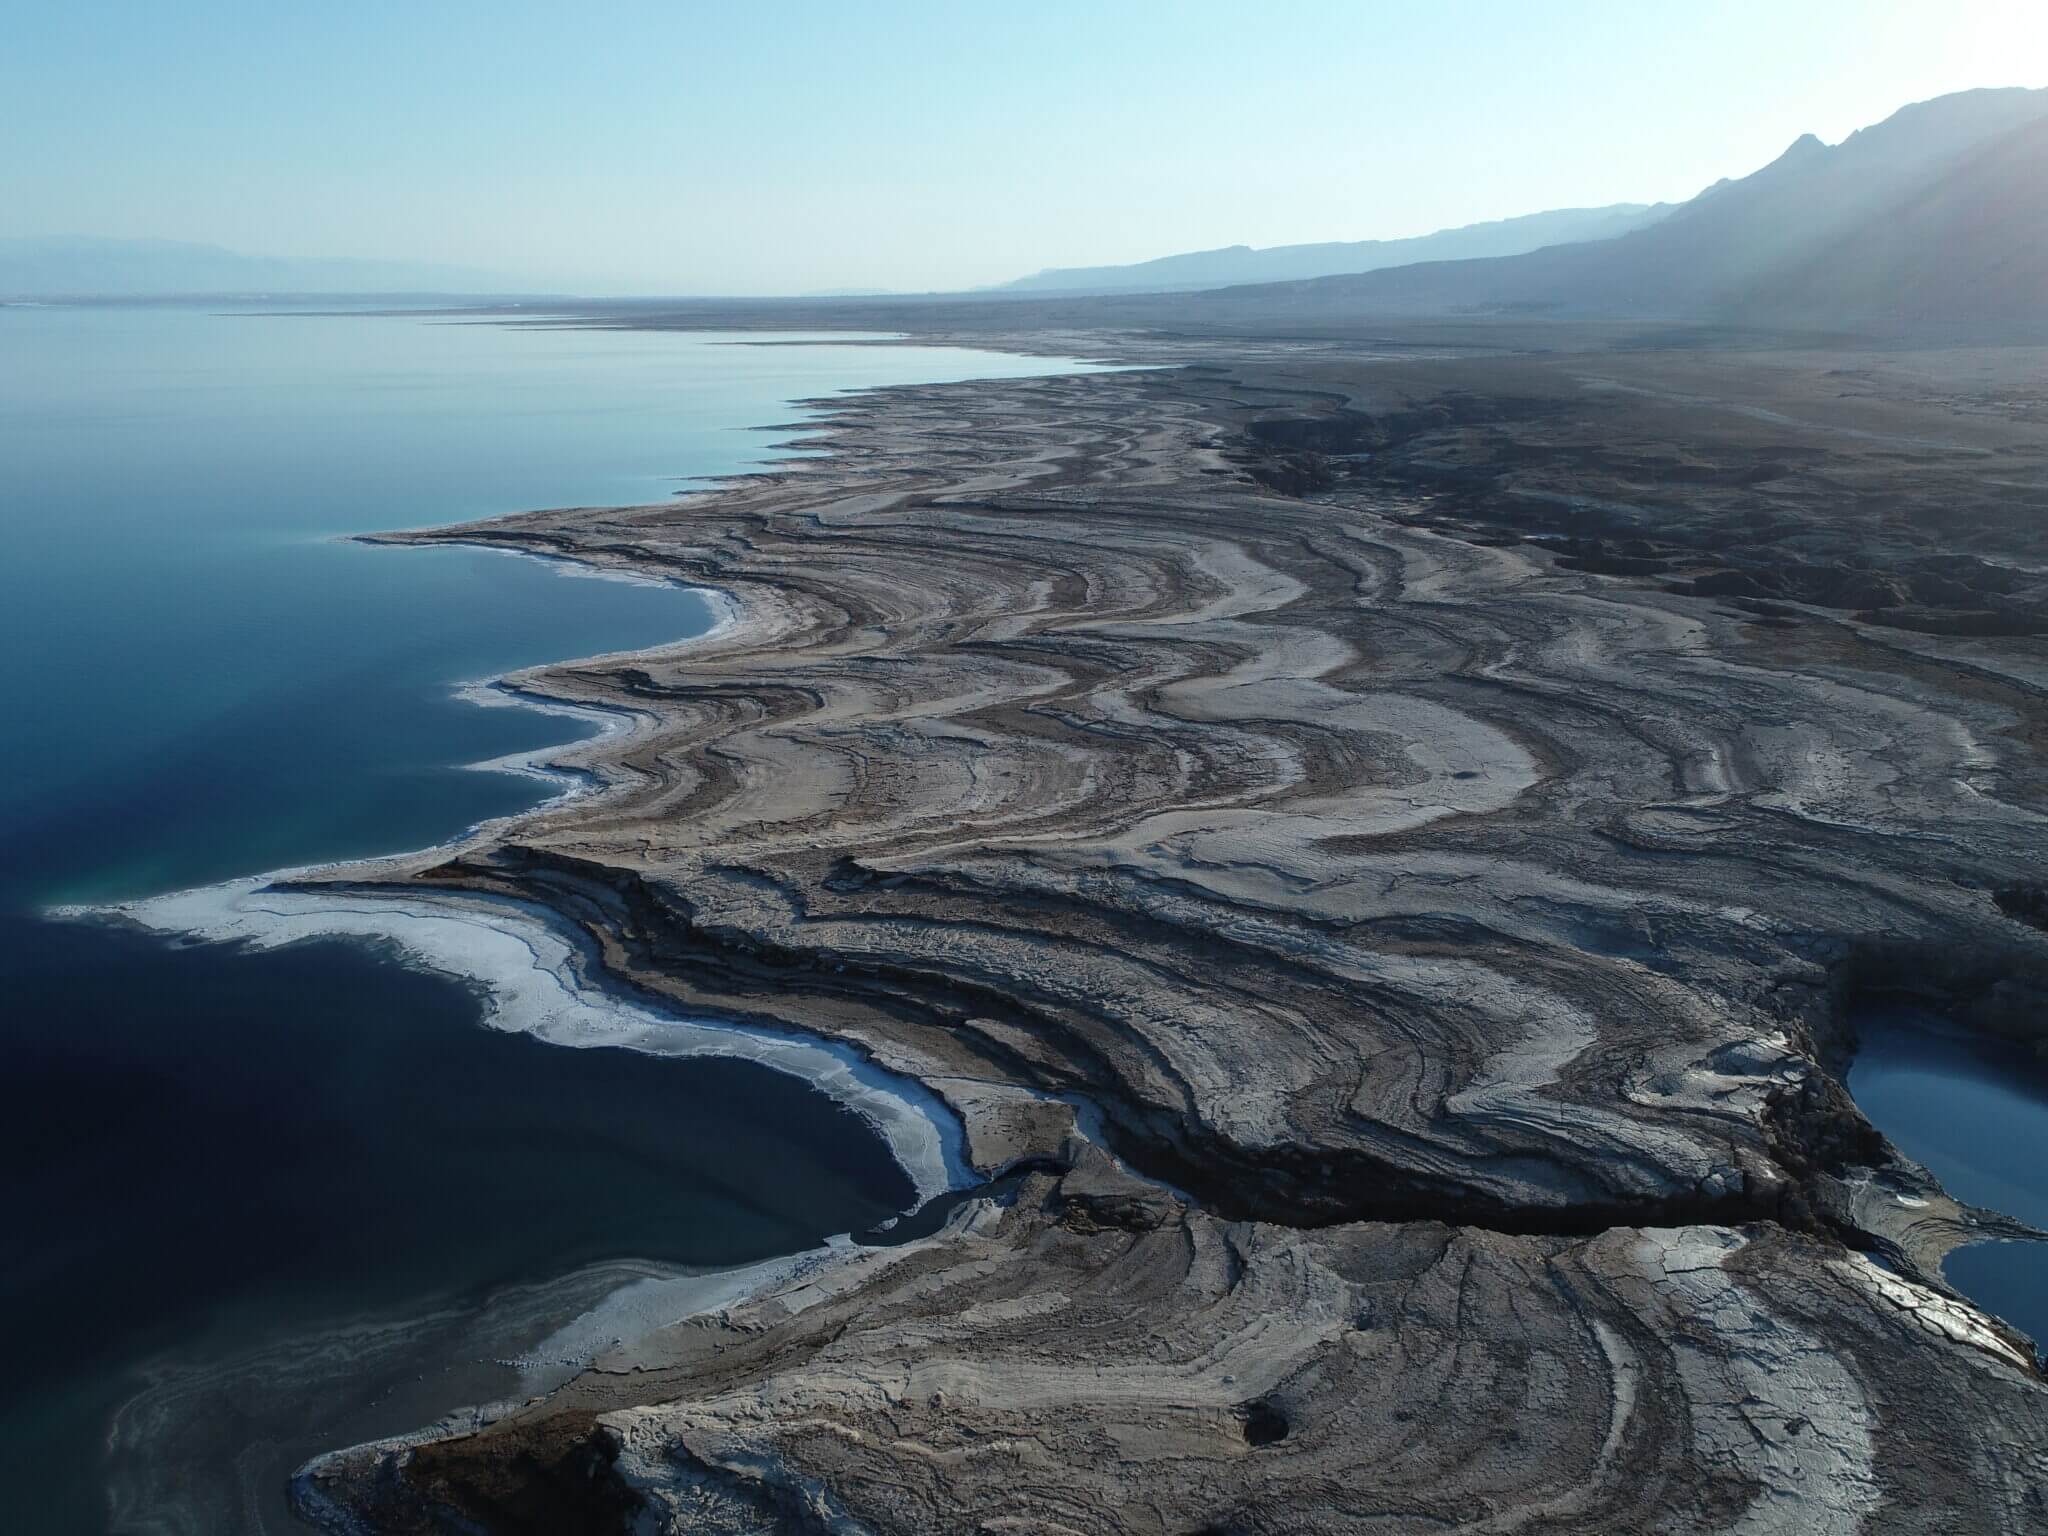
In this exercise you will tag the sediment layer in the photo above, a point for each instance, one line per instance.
(1399, 935)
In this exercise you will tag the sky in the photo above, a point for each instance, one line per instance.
(665, 147)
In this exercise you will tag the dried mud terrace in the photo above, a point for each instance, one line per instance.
(1398, 968)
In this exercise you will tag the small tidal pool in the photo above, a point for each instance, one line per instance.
(1975, 1112)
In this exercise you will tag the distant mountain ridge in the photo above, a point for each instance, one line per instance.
(1235, 264)
(80, 266)
(1934, 221)
(1932, 224)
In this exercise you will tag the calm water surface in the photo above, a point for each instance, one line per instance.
(1975, 1112)
(207, 1153)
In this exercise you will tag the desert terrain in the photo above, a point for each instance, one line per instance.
(1379, 842)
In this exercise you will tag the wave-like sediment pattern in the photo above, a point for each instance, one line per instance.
(1442, 944)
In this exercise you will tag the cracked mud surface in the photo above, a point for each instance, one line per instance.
(1349, 782)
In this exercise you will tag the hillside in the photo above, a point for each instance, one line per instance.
(1931, 222)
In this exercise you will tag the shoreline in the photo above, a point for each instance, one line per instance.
(532, 975)
(224, 912)
(512, 945)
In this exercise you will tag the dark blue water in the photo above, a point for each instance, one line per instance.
(204, 1152)
(1975, 1112)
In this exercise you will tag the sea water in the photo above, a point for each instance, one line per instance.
(254, 1201)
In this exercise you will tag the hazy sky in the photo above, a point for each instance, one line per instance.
(777, 148)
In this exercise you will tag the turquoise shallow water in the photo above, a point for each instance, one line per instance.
(207, 1152)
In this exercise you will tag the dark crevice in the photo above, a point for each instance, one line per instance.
(1263, 1422)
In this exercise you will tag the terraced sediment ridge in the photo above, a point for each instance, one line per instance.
(1401, 962)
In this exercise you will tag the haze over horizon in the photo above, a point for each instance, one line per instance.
(914, 149)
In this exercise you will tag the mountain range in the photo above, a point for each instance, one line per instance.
(1237, 264)
(1934, 222)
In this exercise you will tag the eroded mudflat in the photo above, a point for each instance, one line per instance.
(1385, 844)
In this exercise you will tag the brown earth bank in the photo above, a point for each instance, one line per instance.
(1383, 843)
